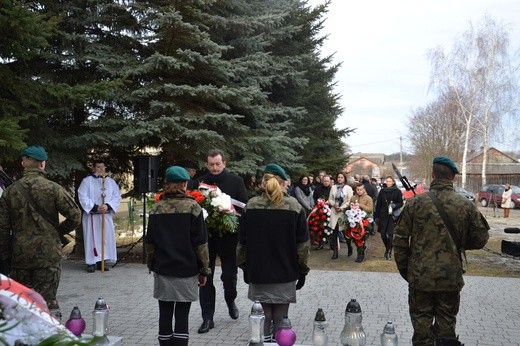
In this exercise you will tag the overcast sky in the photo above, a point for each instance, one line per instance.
(385, 71)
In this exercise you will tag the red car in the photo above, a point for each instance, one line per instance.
(421, 188)
(491, 194)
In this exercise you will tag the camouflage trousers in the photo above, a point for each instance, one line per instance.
(45, 281)
(432, 314)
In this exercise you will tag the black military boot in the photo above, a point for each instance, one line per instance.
(349, 248)
(179, 341)
(385, 242)
(334, 248)
(390, 245)
(166, 341)
(447, 342)
(361, 254)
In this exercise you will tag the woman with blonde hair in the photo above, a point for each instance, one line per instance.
(506, 199)
(273, 248)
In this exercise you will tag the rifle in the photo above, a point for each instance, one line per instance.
(5, 178)
(404, 180)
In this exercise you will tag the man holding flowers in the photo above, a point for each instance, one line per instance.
(222, 244)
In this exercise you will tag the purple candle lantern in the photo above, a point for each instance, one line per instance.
(76, 324)
(286, 336)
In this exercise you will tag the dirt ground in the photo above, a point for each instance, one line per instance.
(487, 262)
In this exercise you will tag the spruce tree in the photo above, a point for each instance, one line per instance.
(82, 70)
(25, 33)
(312, 90)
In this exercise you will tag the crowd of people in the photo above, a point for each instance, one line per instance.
(381, 201)
(182, 247)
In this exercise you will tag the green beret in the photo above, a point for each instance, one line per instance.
(35, 152)
(276, 170)
(176, 174)
(443, 160)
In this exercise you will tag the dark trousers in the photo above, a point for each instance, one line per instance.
(433, 313)
(45, 281)
(228, 261)
(386, 229)
(168, 335)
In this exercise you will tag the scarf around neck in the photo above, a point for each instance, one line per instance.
(305, 188)
(340, 195)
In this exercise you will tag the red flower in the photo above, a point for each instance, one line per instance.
(158, 196)
(199, 197)
(318, 220)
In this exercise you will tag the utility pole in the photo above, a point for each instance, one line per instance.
(401, 151)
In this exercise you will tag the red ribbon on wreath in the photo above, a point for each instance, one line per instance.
(357, 220)
(357, 233)
(318, 220)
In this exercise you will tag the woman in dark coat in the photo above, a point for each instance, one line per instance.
(177, 247)
(389, 200)
(273, 248)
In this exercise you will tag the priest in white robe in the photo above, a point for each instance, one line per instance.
(90, 194)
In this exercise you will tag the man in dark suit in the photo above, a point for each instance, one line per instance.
(222, 246)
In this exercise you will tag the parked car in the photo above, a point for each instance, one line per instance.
(464, 193)
(490, 193)
(421, 188)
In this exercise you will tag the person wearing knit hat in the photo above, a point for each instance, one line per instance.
(177, 248)
(273, 270)
(431, 234)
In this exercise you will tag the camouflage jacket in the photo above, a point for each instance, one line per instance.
(35, 242)
(177, 240)
(273, 241)
(423, 245)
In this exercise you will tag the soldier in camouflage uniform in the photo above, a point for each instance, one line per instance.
(177, 246)
(427, 256)
(33, 251)
(273, 248)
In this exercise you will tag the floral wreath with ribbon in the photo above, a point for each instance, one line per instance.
(318, 220)
(219, 213)
(357, 223)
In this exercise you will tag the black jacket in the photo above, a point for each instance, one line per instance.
(229, 183)
(274, 240)
(175, 229)
(232, 185)
(387, 196)
(370, 189)
(321, 192)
